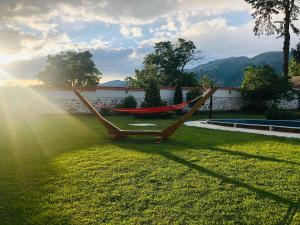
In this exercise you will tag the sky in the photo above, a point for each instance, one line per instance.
(119, 33)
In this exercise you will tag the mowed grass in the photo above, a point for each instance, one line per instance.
(62, 169)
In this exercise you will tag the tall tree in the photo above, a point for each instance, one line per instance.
(70, 69)
(178, 98)
(265, 11)
(167, 63)
(152, 95)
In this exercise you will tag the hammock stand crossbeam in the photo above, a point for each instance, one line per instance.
(116, 133)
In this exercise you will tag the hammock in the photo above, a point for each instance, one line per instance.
(116, 133)
(151, 110)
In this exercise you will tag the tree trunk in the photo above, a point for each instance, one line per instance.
(287, 38)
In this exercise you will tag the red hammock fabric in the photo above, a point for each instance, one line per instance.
(151, 110)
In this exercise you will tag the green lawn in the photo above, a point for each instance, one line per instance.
(62, 169)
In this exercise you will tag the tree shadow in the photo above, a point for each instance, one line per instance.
(291, 212)
(253, 156)
(165, 152)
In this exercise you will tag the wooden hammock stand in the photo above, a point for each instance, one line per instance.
(116, 133)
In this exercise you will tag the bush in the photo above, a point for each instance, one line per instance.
(272, 113)
(145, 104)
(194, 93)
(152, 95)
(129, 102)
(254, 108)
(286, 116)
(105, 111)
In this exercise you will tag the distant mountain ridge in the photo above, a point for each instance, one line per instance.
(114, 83)
(227, 72)
(230, 71)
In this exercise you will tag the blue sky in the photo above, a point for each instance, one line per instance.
(120, 32)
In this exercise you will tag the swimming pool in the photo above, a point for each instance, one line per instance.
(292, 126)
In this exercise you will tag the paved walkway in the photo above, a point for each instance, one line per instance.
(203, 124)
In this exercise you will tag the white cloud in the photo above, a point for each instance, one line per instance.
(33, 29)
(131, 31)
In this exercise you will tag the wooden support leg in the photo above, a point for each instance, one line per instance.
(116, 137)
(161, 139)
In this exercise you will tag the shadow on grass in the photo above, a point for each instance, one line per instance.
(249, 156)
(291, 212)
(207, 143)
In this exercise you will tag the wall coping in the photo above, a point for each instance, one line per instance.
(124, 88)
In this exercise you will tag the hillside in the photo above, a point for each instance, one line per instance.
(229, 71)
(114, 83)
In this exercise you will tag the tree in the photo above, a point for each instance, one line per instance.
(296, 53)
(192, 94)
(152, 95)
(264, 13)
(261, 84)
(167, 64)
(294, 68)
(70, 69)
(207, 82)
(178, 98)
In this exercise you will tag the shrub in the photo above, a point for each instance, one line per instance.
(105, 111)
(152, 95)
(178, 98)
(129, 102)
(194, 93)
(272, 113)
(286, 116)
(250, 107)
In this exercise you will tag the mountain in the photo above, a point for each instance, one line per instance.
(229, 71)
(114, 83)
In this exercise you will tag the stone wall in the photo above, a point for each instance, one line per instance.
(45, 100)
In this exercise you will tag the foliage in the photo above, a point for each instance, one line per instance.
(296, 53)
(265, 11)
(70, 69)
(272, 113)
(192, 94)
(152, 95)
(294, 68)
(207, 82)
(178, 98)
(63, 170)
(166, 64)
(105, 111)
(129, 102)
(252, 107)
(262, 84)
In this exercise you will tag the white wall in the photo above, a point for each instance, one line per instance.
(225, 99)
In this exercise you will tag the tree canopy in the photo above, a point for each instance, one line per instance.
(70, 69)
(285, 12)
(261, 84)
(166, 64)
